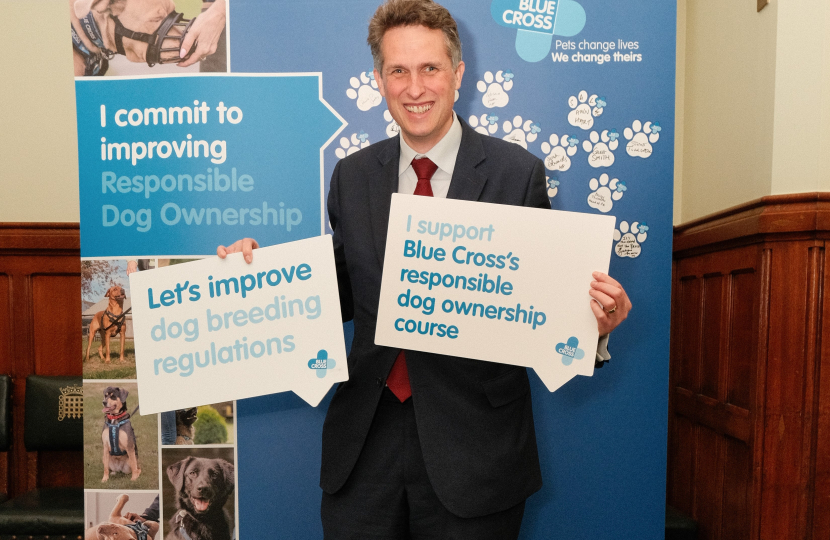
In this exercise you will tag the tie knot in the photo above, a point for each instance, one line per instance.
(424, 168)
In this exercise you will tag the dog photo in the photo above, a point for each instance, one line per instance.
(148, 37)
(107, 348)
(208, 424)
(120, 444)
(198, 493)
(121, 515)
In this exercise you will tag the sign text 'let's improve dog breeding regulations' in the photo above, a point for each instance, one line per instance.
(493, 282)
(212, 330)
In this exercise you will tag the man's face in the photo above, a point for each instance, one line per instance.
(419, 83)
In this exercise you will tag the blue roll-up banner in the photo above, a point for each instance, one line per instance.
(240, 137)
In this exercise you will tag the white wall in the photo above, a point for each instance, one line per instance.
(725, 138)
(38, 140)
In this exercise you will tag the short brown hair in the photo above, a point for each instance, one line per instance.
(395, 13)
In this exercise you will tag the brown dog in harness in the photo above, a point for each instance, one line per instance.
(109, 323)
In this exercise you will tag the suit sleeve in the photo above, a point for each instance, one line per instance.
(344, 284)
(537, 195)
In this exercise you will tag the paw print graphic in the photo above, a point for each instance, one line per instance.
(486, 124)
(570, 351)
(364, 91)
(521, 131)
(604, 193)
(629, 238)
(350, 146)
(392, 128)
(322, 363)
(639, 142)
(558, 151)
(600, 149)
(583, 114)
(495, 89)
(553, 186)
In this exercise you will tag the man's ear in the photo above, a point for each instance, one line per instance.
(459, 74)
(379, 80)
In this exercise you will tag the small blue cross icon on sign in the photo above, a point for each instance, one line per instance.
(570, 351)
(322, 363)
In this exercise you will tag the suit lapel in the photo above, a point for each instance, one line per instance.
(467, 182)
(380, 199)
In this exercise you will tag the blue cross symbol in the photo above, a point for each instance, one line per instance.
(570, 351)
(363, 136)
(507, 74)
(322, 363)
(492, 119)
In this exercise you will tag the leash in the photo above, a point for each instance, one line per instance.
(180, 520)
(141, 530)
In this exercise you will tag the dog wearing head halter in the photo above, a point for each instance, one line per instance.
(119, 527)
(148, 31)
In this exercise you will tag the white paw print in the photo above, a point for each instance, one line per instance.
(392, 128)
(553, 186)
(558, 151)
(486, 124)
(600, 149)
(605, 192)
(495, 93)
(350, 146)
(520, 131)
(629, 239)
(364, 91)
(639, 142)
(583, 114)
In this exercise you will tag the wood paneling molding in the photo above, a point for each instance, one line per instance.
(749, 414)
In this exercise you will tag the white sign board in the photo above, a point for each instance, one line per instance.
(218, 330)
(493, 282)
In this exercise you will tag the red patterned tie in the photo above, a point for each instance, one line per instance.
(398, 379)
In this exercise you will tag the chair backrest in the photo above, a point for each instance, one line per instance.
(5, 413)
(54, 413)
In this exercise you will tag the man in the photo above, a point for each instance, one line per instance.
(421, 445)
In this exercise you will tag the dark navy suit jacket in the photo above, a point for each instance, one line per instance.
(474, 418)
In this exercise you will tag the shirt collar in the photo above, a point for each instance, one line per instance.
(442, 154)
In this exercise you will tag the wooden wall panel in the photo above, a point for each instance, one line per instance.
(748, 382)
(39, 334)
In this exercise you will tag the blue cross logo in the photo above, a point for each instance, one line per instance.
(570, 351)
(492, 119)
(613, 135)
(322, 363)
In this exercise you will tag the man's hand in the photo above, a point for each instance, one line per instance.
(134, 517)
(132, 266)
(612, 304)
(246, 246)
(205, 32)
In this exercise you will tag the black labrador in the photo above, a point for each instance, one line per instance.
(202, 486)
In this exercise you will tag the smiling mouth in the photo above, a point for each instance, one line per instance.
(418, 109)
(201, 505)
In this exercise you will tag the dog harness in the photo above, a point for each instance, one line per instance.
(97, 63)
(141, 530)
(114, 423)
(116, 320)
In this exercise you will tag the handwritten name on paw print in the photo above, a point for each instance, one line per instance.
(486, 124)
(639, 142)
(600, 148)
(553, 186)
(392, 128)
(364, 91)
(521, 131)
(322, 363)
(585, 109)
(495, 89)
(604, 192)
(570, 351)
(629, 238)
(558, 151)
(349, 146)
